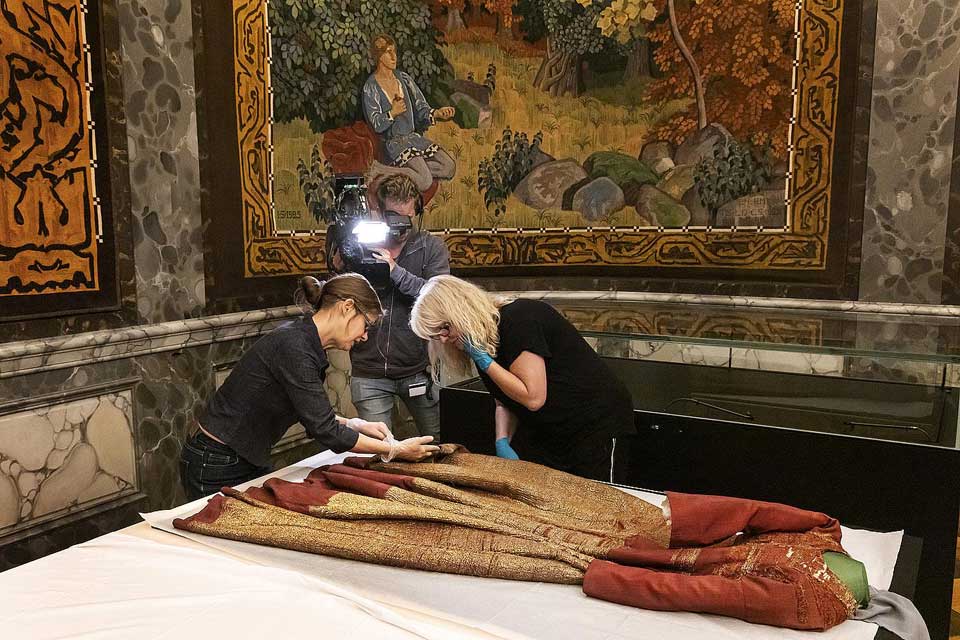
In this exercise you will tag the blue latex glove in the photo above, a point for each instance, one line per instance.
(480, 357)
(504, 450)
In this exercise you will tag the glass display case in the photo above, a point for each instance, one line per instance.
(867, 374)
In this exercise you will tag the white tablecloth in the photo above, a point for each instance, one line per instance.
(533, 610)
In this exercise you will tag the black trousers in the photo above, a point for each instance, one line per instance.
(207, 465)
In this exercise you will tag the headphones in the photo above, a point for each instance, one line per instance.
(418, 208)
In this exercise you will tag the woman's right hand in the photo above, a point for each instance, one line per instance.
(413, 449)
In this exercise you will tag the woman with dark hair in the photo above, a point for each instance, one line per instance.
(396, 109)
(278, 382)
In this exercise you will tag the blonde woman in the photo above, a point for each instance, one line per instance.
(556, 400)
(278, 382)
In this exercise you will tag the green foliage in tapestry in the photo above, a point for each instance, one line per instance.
(572, 34)
(733, 172)
(316, 183)
(500, 174)
(321, 54)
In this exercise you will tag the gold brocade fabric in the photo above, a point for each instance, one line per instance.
(539, 493)
(430, 546)
(480, 508)
(547, 525)
(346, 506)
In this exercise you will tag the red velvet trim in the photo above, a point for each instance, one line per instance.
(357, 484)
(665, 558)
(298, 496)
(699, 520)
(316, 477)
(207, 515)
(357, 463)
(635, 557)
(394, 479)
(750, 598)
(262, 495)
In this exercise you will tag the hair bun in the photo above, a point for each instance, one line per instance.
(311, 289)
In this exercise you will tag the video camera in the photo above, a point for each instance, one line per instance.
(355, 231)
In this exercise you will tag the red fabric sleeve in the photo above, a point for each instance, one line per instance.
(757, 600)
(295, 496)
(357, 484)
(700, 519)
(358, 462)
(208, 514)
(397, 480)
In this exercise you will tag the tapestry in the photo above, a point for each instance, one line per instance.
(50, 218)
(620, 133)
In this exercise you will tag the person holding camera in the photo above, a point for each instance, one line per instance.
(393, 362)
(278, 382)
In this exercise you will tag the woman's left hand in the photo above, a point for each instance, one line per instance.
(378, 430)
(444, 113)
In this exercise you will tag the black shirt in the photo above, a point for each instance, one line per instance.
(585, 400)
(277, 382)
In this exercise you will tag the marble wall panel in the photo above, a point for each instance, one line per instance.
(896, 370)
(916, 67)
(883, 338)
(952, 375)
(820, 364)
(679, 352)
(62, 457)
(160, 104)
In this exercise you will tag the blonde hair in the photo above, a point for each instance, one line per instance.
(466, 308)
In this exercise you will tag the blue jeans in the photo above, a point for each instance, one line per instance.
(207, 465)
(373, 398)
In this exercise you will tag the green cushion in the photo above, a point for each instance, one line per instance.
(851, 573)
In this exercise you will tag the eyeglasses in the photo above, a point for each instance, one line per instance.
(367, 322)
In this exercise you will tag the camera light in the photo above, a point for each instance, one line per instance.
(368, 232)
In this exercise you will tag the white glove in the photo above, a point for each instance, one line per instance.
(411, 449)
(376, 430)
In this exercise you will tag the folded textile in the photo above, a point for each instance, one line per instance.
(492, 517)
